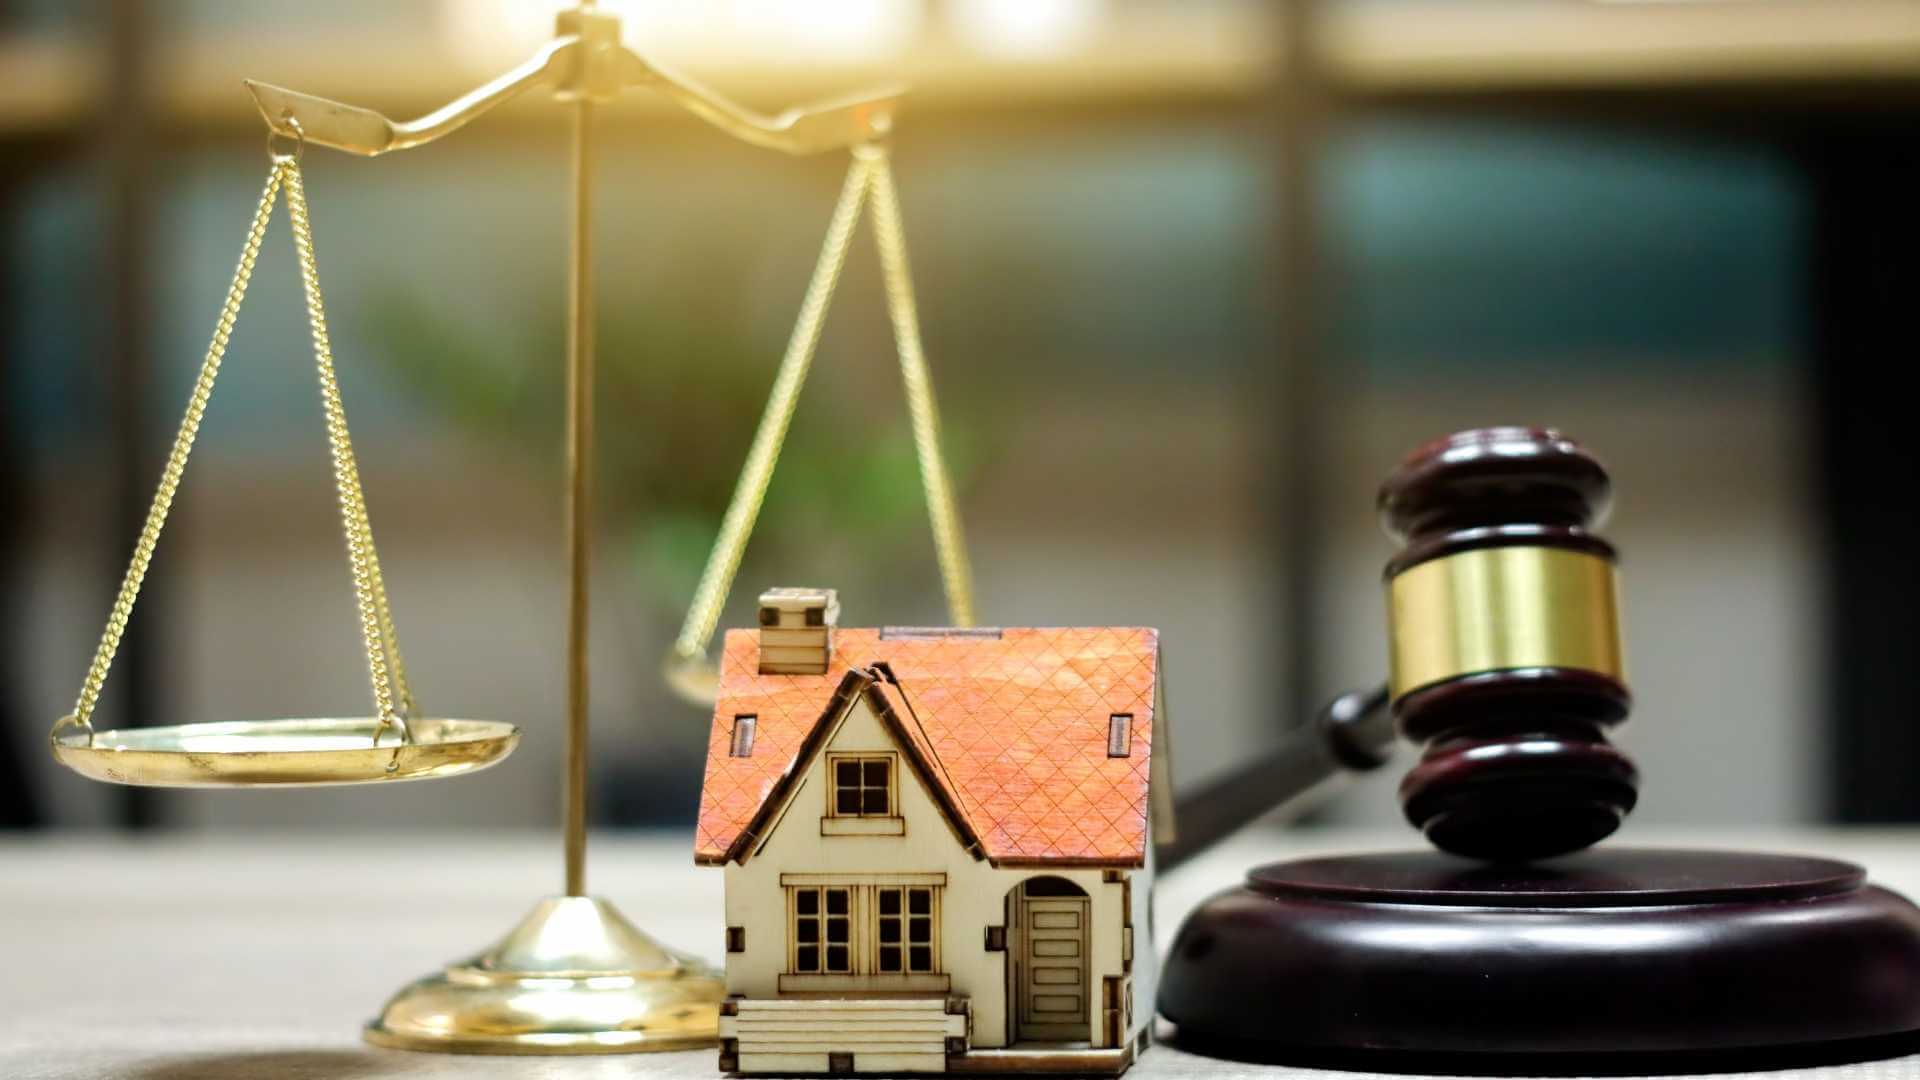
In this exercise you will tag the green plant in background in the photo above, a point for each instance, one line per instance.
(683, 377)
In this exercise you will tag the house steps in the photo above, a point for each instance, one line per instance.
(883, 1035)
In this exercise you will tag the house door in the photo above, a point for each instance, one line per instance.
(1052, 981)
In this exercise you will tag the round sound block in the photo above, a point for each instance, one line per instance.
(1403, 959)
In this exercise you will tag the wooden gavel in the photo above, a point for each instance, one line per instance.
(1505, 662)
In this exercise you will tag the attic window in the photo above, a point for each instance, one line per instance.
(1120, 735)
(743, 726)
(862, 786)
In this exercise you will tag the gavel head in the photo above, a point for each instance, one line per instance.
(1506, 664)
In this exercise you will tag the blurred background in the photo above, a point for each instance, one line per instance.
(1193, 276)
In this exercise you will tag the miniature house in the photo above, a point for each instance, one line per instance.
(937, 844)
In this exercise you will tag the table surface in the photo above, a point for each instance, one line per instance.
(210, 957)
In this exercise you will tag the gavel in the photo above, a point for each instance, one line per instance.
(1505, 662)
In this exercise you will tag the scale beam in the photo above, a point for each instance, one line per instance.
(610, 68)
(808, 129)
(369, 134)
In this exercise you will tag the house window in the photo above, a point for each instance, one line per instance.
(822, 930)
(862, 786)
(743, 725)
(865, 930)
(904, 930)
(1120, 735)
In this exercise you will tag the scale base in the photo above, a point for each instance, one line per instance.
(1613, 960)
(575, 977)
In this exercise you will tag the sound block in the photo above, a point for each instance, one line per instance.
(1669, 960)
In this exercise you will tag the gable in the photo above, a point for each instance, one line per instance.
(1008, 729)
(802, 809)
(856, 688)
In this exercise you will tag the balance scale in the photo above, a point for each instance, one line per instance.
(574, 976)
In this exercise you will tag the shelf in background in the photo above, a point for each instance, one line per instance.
(1144, 56)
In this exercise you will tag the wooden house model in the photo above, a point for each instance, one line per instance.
(937, 844)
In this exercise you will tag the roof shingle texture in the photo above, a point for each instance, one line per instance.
(1018, 725)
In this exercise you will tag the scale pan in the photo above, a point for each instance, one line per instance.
(284, 753)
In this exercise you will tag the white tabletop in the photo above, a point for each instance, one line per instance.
(191, 957)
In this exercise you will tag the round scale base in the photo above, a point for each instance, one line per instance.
(573, 978)
(1609, 958)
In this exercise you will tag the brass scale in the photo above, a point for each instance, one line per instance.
(574, 976)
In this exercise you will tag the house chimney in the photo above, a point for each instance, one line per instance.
(796, 630)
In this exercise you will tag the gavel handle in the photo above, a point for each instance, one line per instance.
(1354, 733)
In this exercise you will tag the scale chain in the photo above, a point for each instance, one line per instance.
(385, 667)
(176, 466)
(716, 581)
(890, 236)
(870, 176)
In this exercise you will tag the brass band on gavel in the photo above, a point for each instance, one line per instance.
(1503, 608)
(1505, 644)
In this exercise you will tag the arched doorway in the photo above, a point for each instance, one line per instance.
(1048, 999)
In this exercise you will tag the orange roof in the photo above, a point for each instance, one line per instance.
(1010, 730)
